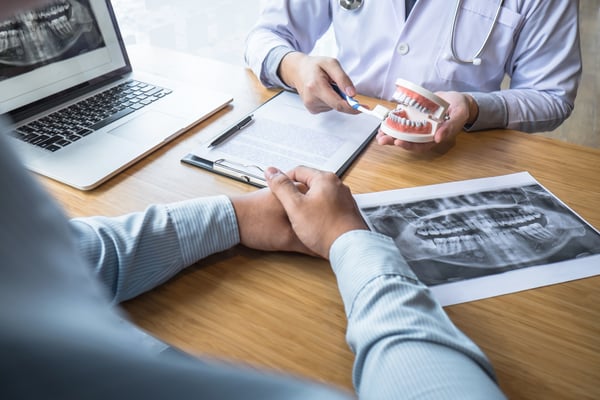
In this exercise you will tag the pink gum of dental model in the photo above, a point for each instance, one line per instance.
(417, 115)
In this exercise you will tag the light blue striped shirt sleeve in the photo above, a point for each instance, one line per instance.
(405, 345)
(136, 252)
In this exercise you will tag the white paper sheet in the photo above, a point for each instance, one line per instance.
(480, 238)
(284, 134)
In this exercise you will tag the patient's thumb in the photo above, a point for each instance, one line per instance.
(271, 173)
(281, 185)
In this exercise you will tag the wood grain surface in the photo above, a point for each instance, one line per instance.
(283, 312)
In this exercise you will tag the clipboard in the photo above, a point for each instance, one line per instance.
(283, 134)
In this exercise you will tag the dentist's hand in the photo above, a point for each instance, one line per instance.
(312, 77)
(321, 214)
(462, 110)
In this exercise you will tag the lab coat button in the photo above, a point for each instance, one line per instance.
(403, 48)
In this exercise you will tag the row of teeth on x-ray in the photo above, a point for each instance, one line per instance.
(455, 233)
(463, 243)
(13, 38)
(453, 225)
(32, 28)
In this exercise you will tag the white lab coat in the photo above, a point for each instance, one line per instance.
(536, 43)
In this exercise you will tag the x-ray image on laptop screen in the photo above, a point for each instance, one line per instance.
(55, 47)
(59, 31)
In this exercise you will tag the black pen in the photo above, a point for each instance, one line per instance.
(237, 127)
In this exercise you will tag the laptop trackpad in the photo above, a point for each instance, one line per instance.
(151, 126)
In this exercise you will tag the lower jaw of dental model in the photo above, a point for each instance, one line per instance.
(417, 116)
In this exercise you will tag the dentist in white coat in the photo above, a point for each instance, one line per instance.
(460, 49)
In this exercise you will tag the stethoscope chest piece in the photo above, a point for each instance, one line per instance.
(351, 4)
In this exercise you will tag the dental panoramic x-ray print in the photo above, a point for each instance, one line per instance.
(455, 238)
(58, 31)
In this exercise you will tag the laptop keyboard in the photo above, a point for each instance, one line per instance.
(63, 127)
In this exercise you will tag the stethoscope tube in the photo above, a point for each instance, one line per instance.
(353, 5)
(476, 59)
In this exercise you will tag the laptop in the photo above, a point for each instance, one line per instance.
(81, 113)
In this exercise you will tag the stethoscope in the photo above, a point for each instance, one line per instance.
(475, 60)
(351, 4)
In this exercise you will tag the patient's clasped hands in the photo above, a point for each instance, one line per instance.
(305, 210)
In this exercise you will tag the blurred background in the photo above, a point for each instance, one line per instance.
(217, 29)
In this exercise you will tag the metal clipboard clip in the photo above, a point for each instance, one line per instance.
(240, 171)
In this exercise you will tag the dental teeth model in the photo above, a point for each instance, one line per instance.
(418, 114)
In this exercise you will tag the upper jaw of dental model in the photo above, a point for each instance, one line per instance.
(417, 115)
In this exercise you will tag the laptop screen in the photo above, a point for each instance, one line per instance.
(62, 45)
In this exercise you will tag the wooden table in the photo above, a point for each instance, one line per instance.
(282, 311)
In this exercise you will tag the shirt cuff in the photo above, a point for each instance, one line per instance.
(357, 257)
(204, 226)
(493, 113)
(269, 75)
